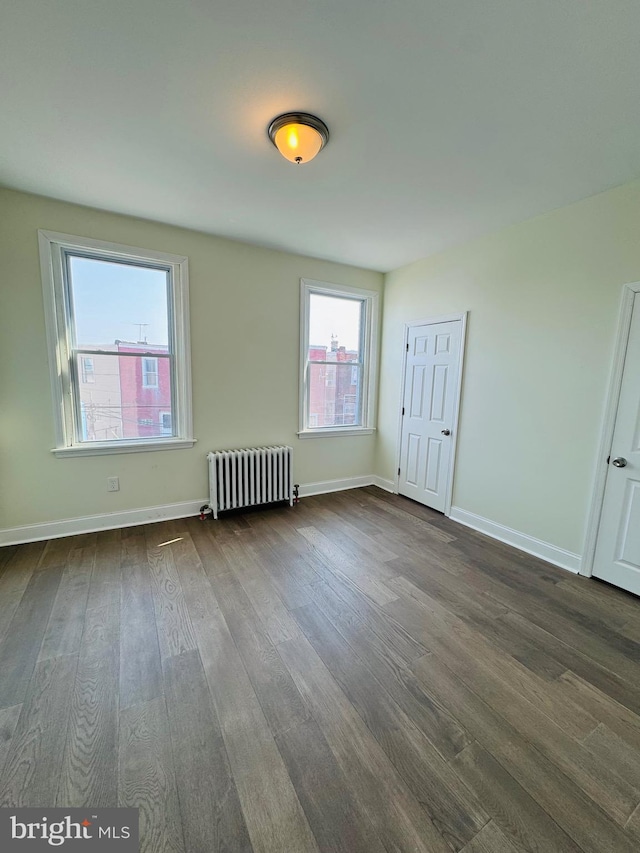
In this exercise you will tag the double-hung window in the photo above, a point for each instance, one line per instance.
(118, 334)
(337, 359)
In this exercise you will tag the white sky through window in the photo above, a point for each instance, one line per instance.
(331, 315)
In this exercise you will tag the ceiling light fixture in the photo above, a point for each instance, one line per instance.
(298, 136)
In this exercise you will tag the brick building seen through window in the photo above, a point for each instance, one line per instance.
(333, 387)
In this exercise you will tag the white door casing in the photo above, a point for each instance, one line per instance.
(617, 553)
(430, 402)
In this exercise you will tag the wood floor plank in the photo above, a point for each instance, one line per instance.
(610, 790)
(212, 818)
(615, 752)
(20, 647)
(633, 825)
(281, 703)
(140, 668)
(346, 535)
(208, 546)
(381, 794)
(104, 588)
(410, 516)
(380, 622)
(271, 808)
(288, 571)
(285, 570)
(66, 620)
(523, 649)
(276, 532)
(15, 576)
(8, 722)
(34, 760)
(456, 592)
(56, 552)
(341, 563)
(519, 815)
(325, 793)
(491, 839)
(196, 586)
(392, 672)
(278, 623)
(580, 816)
(147, 778)
(450, 805)
(389, 681)
(89, 774)
(631, 630)
(175, 632)
(21, 562)
(551, 613)
(609, 681)
(590, 597)
(618, 718)
(10, 603)
(6, 553)
(565, 713)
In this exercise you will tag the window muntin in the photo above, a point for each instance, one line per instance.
(339, 331)
(117, 322)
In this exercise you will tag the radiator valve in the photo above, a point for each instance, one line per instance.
(205, 510)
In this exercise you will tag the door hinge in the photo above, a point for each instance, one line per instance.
(608, 459)
(403, 411)
(407, 347)
(398, 472)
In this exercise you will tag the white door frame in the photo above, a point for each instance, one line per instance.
(612, 399)
(447, 318)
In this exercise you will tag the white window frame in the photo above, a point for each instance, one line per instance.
(53, 248)
(369, 344)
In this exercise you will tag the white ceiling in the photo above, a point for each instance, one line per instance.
(448, 118)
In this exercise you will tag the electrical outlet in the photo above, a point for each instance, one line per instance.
(113, 484)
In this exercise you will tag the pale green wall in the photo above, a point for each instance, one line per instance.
(244, 340)
(543, 298)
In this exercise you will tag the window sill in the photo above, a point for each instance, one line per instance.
(332, 433)
(105, 449)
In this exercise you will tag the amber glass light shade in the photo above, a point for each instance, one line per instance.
(298, 136)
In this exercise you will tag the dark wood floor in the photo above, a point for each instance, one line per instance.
(356, 674)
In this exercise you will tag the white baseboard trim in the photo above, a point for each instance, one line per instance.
(381, 483)
(325, 486)
(544, 550)
(147, 515)
(93, 523)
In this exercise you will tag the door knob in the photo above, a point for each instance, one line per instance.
(619, 462)
(448, 432)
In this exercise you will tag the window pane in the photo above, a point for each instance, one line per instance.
(334, 327)
(334, 394)
(117, 302)
(118, 404)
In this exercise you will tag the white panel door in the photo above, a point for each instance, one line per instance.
(617, 557)
(429, 404)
